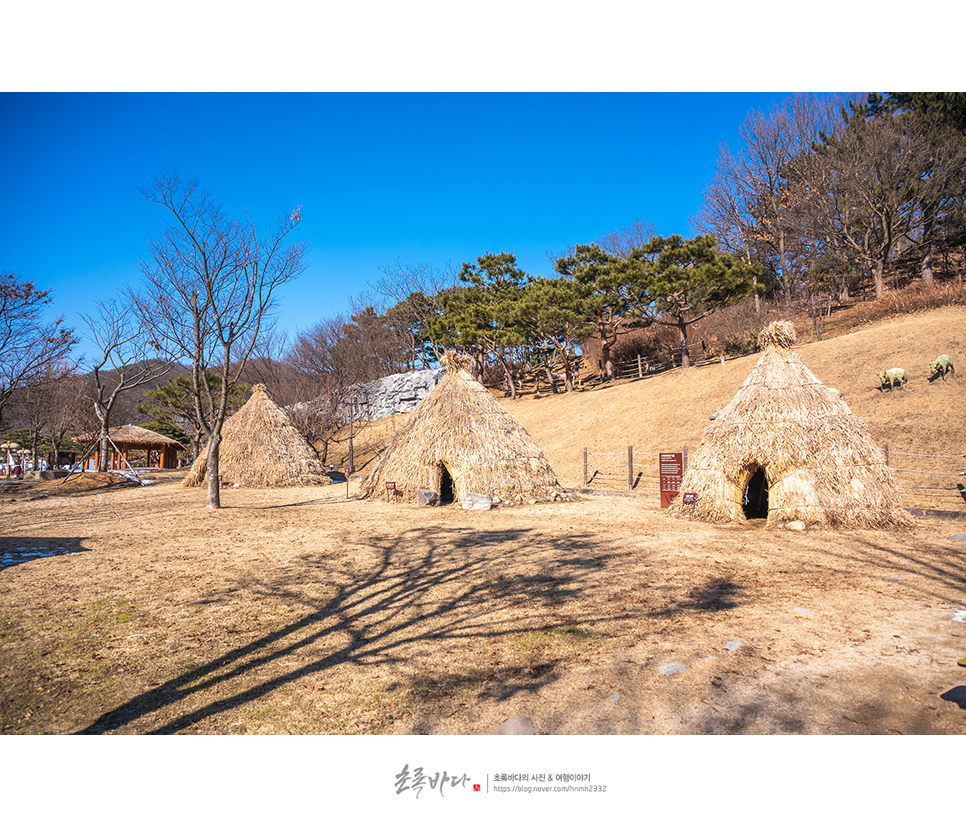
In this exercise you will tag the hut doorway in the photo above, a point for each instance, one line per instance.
(755, 498)
(445, 486)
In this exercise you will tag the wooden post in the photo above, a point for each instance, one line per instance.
(640, 371)
(584, 484)
(684, 461)
(630, 463)
(351, 467)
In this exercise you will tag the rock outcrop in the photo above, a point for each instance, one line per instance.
(395, 394)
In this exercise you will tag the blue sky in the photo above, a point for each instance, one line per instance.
(418, 178)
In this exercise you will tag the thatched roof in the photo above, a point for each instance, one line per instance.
(820, 463)
(459, 426)
(260, 447)
(139, 437)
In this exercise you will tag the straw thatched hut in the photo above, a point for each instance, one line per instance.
(260, 447)
(460, 440)
(786, 448)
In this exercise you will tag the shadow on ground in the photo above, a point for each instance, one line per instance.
(415, 596)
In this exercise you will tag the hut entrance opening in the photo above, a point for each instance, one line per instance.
(755, 499)
(445, 485)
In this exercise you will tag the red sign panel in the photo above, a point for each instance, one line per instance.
(390, 486)
(671, 467)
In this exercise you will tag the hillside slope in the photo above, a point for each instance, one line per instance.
(667, 412)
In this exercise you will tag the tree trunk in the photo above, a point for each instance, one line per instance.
(928, 278)
(606, 363)
(102, 458)
(783, 265)
(212, 482)
(103, 412)
(568, 370)
(685, 355)
(606, 343)
(928, 229)
(549, 370)
(508, 376)
(878, 272)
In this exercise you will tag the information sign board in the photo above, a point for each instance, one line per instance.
(671, 468)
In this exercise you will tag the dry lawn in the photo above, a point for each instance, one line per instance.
(299, 611)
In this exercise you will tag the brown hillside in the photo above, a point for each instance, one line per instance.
(666, 412)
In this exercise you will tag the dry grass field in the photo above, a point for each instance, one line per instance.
(131, 610)
(667, 412)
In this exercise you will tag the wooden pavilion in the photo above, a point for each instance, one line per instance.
(160, 451)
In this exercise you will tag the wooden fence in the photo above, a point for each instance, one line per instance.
(620, 471)
(926, 481)
(641, 366)
(921, 488)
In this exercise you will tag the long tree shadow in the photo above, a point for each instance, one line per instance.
(426, 586)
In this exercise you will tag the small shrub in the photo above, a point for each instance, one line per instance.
(740, 345)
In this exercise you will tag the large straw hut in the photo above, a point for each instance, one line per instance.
(787, 448)
(260, 447)
(460, 440)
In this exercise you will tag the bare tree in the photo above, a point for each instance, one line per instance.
(39, 407)
(69, 411)
(746, 204)
(416, 291)
(328, 368)
(210, 284)
(861, 190)
(126, 358)
(29, 346)
(293, 384)
(171, 403)
(622, 242)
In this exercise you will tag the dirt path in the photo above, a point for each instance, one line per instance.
(297, 611)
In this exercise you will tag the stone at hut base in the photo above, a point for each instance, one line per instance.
(798, 526)
(475, 501)
(427, 497)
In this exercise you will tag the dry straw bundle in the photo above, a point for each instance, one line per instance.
(260, 447)
(819, 462)
(460, 438)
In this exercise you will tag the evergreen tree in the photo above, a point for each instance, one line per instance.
(677, 282)
(602, 278)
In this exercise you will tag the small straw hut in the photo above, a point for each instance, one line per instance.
(260, 448)
(786, 448)
(460, 440)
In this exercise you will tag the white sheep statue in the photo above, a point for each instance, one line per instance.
(941, 365)
(892, 377)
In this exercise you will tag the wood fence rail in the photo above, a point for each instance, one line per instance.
(618, 470)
